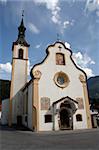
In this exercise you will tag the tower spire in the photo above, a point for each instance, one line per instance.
(21, 34)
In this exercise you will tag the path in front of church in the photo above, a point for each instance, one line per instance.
(11, 139)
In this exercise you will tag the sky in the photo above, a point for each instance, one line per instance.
(76, 22)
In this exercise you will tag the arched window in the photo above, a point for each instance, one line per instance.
(79, 117)
(20, 54)
(60, 59)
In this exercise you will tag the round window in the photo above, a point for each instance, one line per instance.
(61, 79)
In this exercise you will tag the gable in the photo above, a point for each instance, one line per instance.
(60, 55)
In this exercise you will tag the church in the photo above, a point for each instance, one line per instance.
(55, 98)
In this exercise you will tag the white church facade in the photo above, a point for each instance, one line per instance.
(56, 97)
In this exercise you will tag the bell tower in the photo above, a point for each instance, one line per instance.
(19, 67)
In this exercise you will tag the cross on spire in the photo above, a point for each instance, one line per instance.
(58, 37)
(22, 13)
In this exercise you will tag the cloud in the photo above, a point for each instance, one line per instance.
(92, 5)
(38, 46)
(33, 28)
(84, 61)
(88, 71)
(29, 68)
(65, 24)
(3, 1)
(5, 71)
(67, 45)
(6, 67)
(53, 6)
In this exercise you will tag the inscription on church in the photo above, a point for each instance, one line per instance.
(45, 103)
(80, 103)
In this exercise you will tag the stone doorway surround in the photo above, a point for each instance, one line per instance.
(66, 111)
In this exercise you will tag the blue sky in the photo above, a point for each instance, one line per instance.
(76, 22)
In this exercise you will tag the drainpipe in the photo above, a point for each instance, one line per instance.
(53, 117)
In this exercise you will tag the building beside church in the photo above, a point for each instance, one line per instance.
(56, 97)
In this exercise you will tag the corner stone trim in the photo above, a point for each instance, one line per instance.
(37, 74)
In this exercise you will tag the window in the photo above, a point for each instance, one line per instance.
(20, 55)
(60, 59)
(61, 79)
(48, 118)
(79, 117)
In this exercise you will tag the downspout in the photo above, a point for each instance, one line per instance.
(53, 117)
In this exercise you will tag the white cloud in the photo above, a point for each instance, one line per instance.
(5, 71)
(88, 71)
(3, 1)
(92, 5)
(6, 67)
(29, 68)
(52, 5)
(84, 61)
(67, 45)
(38, 46)
(33, 28)
(65, 24)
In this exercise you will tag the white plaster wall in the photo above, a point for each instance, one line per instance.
(30, 90)
(20, 76)
(80, 124)
(47, 87)
(17, 106)
(5, 112)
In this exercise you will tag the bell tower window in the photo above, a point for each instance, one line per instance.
(20, 54)
(60, 59)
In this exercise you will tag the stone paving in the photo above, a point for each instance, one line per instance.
(12, 139)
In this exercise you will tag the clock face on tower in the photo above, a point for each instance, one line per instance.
(61, 79)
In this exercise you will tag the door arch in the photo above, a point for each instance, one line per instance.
(66, 115)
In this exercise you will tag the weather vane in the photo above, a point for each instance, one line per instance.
(22, 13)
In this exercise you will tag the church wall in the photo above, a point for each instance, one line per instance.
(19, 71)
(17, 106)
(30, 106)
(51, 90)
(5, 112)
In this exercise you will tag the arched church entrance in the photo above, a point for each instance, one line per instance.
(64, 119)
(67, 109)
